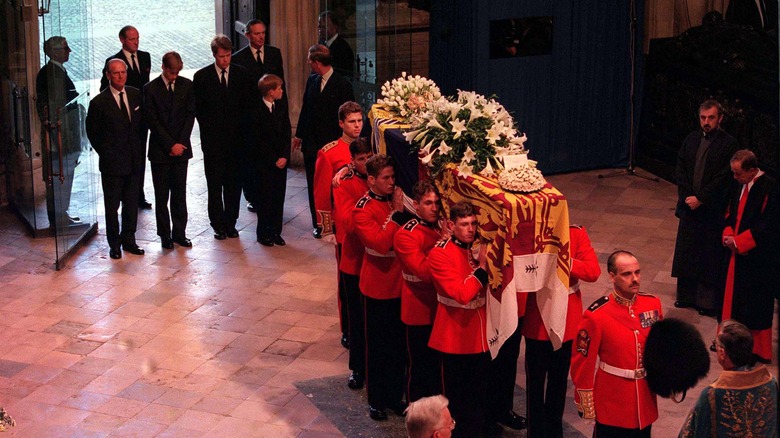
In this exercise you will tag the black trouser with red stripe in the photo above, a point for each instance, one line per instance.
(466, 385)
(385, 352)
(423, 368)
(545, 407)
(357, 326)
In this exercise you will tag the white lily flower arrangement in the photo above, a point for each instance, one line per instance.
(408, 95)
(469, 130)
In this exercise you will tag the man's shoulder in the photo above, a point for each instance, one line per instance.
(599, 303)
(328, 147)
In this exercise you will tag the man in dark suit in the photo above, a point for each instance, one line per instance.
(259, 59)
(139, 65)
(702, 177)
(222, 92)
(318, 123)
(340, 52)
(55, 92)
(270, 152)
(169, 109)
(114, 129)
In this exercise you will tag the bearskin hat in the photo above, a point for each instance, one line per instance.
(675, 357)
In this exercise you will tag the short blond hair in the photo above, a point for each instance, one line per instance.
(423, 417)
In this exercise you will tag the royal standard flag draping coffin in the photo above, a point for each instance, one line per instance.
(528, 238)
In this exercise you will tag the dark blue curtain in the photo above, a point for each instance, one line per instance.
(574, 103)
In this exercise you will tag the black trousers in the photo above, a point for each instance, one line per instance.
(423, 366)
(120, 190)
(545, 407)
(170, 180)
(604, 431)
(58, 194)
(465, 385)
(385, 352)
(700, 295)
(223, 180)
(309, 161)
(357, 326)
(267, 195)
(342, 297)
(142, 176)
(502, 375)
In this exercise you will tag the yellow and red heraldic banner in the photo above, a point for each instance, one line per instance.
(528, 238)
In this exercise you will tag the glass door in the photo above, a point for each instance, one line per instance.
(62, 96)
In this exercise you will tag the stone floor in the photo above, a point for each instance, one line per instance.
(210, 341)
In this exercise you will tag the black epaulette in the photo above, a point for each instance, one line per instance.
(362, 202)
(329, 146)
(598, 303)
(577, 226)
(411, 224)
(350, 174)
(442, 243)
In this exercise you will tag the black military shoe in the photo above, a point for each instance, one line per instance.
(377, 414)
(356, 381)
(513, 421)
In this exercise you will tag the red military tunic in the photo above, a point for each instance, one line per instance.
(615, 334)
(353, 187)
(375, 224)
(332, 157)
(412, 244)
(459, 326)
(584, 267)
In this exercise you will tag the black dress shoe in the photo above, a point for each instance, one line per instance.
(513, 421)
(400, 408)
(356, 381)
(232, 233)
(278, 240)
(251, 207)
(145, 205)
(167, 243)
(220, 235)
(345, 341)
(317, 233)
(133, 249)
(266, 241)
(377, 414)
(183, 241)
(682, 305)
(115, 253)
(73, 218)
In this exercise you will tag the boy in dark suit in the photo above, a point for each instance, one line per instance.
(271, 152)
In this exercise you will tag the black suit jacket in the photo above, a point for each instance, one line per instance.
(342, 57)
(318, 123)
(271, 135)
(272, 63)
(170, 118)
(222, 113)
(134, 79)
(116, 139)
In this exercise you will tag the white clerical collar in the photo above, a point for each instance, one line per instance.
(331, 39)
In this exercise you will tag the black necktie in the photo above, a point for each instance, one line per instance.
(122, 105)
(223, 80)
(170, 87)
(134, 66)
(259, 58)
(319, 83)
(272, 107)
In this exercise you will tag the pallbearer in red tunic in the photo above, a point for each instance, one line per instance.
(459, 327)
(332, 157)
(376, 217)
(412, 244)
(542, 363)
(352, 187)
(614, 330)
(751, 235)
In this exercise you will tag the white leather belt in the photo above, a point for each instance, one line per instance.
(370, 251)
(620, 372)
(473, 304)
(412, 278)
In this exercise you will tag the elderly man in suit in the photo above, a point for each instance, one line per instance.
(169, 108)
(222, 93)
(139, 65)
(318, 123)
(259, 59)
(55, 92)
(114, 129)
